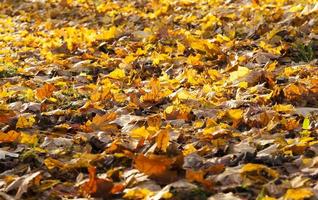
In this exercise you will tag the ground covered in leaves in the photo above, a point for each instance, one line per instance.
(161, 99)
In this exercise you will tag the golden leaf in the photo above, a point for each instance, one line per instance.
(141, 132)
(138, 193)
(117, 74)
(24, 122)
(52, 163)
(162, 140)
(45, 91)
(258, 170)
(235, 114)
(153, 164)
(101, 122)
(298, 194)
(283, 108)
(241, 72)
(31, 139)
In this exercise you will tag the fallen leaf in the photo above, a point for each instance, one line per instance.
(153, 164)
(11, 136)
(25, 122)
(45, 91)
(96, 187)
(162, 140)
(298, 194)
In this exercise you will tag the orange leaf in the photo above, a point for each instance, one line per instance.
(192, 175)
(101, 122)
(6, 117)
(155, 95)
(198, 176)
(11, 136)
(45, 91)
(293, 91)
(118, 188)
(162, 140)
(96, 187)
(153, 164)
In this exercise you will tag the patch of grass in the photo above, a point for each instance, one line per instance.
(305, 52)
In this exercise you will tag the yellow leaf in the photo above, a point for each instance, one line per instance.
(140, 132)
(241, 72)
(235, 114)
(194, 60)
(283, 107)
(24, 122)
(306, 124)
(31, 139)
(243, 84)
(298, 194)
(185, 95)
(108, 34)
(51, 163)
(271, 67)
(180, 48)
(214, 74)
(270, 49)
(188, 149)
(129, 59)
(138, 193)
(117, 74)
(162, 140)
(259, 170)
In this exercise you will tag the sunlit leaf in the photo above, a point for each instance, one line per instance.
(25, 122)
(153, 164)
(45, 91)
(162, 140)
(298, 194)
(11, 136)
(140, 132)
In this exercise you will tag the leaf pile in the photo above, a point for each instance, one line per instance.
(159, 99)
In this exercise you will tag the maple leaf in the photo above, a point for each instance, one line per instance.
(25, 122)
(162, 140)
(102, 122)
(153, 164)
(45, 91)
(298, 194)
(11, 136)
(96, 187)
(140, 132)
